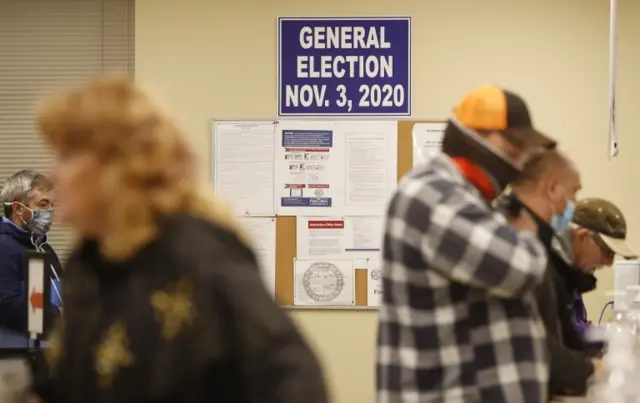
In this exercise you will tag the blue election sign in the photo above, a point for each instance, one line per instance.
(344, 66)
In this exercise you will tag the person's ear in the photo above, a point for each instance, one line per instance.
(19, 210)
(554, 188)
(545, 187)
(582, 234)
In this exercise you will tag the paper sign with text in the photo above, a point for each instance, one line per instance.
(344, 66)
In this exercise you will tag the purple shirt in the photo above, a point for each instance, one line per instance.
(580, 321)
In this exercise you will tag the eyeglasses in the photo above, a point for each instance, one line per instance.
(606, 250)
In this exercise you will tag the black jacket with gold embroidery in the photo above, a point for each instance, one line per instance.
(187, 319)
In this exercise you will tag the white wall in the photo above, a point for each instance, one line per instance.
(218, 59)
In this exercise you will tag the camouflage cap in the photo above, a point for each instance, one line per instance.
(606, 220)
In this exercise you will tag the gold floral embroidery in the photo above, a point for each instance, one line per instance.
(174, 308)
(112, 354)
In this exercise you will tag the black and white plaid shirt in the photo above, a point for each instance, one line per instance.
(458, 321)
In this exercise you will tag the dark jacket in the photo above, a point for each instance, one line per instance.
(571, 364)
(572, 281)
(14, 242)
(186, 319)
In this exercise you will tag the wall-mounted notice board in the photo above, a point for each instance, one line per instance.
(305, 243)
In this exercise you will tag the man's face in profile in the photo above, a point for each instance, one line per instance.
(41, 200)
(591, 253)
(38, 200)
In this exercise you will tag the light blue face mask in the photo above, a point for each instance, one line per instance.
(562, 222)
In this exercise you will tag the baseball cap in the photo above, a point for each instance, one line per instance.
(606, 220)
(490, 108)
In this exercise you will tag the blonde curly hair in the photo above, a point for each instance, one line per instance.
(146, 163)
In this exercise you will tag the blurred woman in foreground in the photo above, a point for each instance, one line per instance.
(163, 299)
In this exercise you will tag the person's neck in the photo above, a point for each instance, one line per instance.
(477, 177)
(535, 203)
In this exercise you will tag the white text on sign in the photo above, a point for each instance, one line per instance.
(343, 68)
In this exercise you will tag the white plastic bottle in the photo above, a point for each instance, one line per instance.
(621, 305)
(633, 314)
(617, 382)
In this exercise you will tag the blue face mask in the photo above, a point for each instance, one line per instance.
(562, 222)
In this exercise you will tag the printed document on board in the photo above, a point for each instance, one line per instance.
(243, 154)
(352, 237)
(371, 165)
(309, 174)
(262, 233)
(324, 282)
(427, 141)
(374, 281)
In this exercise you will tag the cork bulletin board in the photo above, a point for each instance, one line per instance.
(286, 234)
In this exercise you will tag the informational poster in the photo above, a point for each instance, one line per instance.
(335, 168)
(374, 282)
(322, 236)
(427, 141)
(324, 282)
(262, 232)
(344, 66)
(346, 237)
(367, 233)
(371, 166)
(309, 175)
(243, 156)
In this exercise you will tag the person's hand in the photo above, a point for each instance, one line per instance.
(33, 399)
(597, 366)
(524, 222)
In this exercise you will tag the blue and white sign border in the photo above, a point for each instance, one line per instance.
(341, 115)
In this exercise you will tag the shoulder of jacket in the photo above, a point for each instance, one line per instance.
(202, 243)
(10, 246)
(5, 237)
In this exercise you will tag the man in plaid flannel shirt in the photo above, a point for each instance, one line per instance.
(458, 322)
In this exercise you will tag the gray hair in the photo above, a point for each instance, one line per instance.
(19, 187)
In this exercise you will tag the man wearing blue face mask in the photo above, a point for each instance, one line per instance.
(548, 187)
(28, 201)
